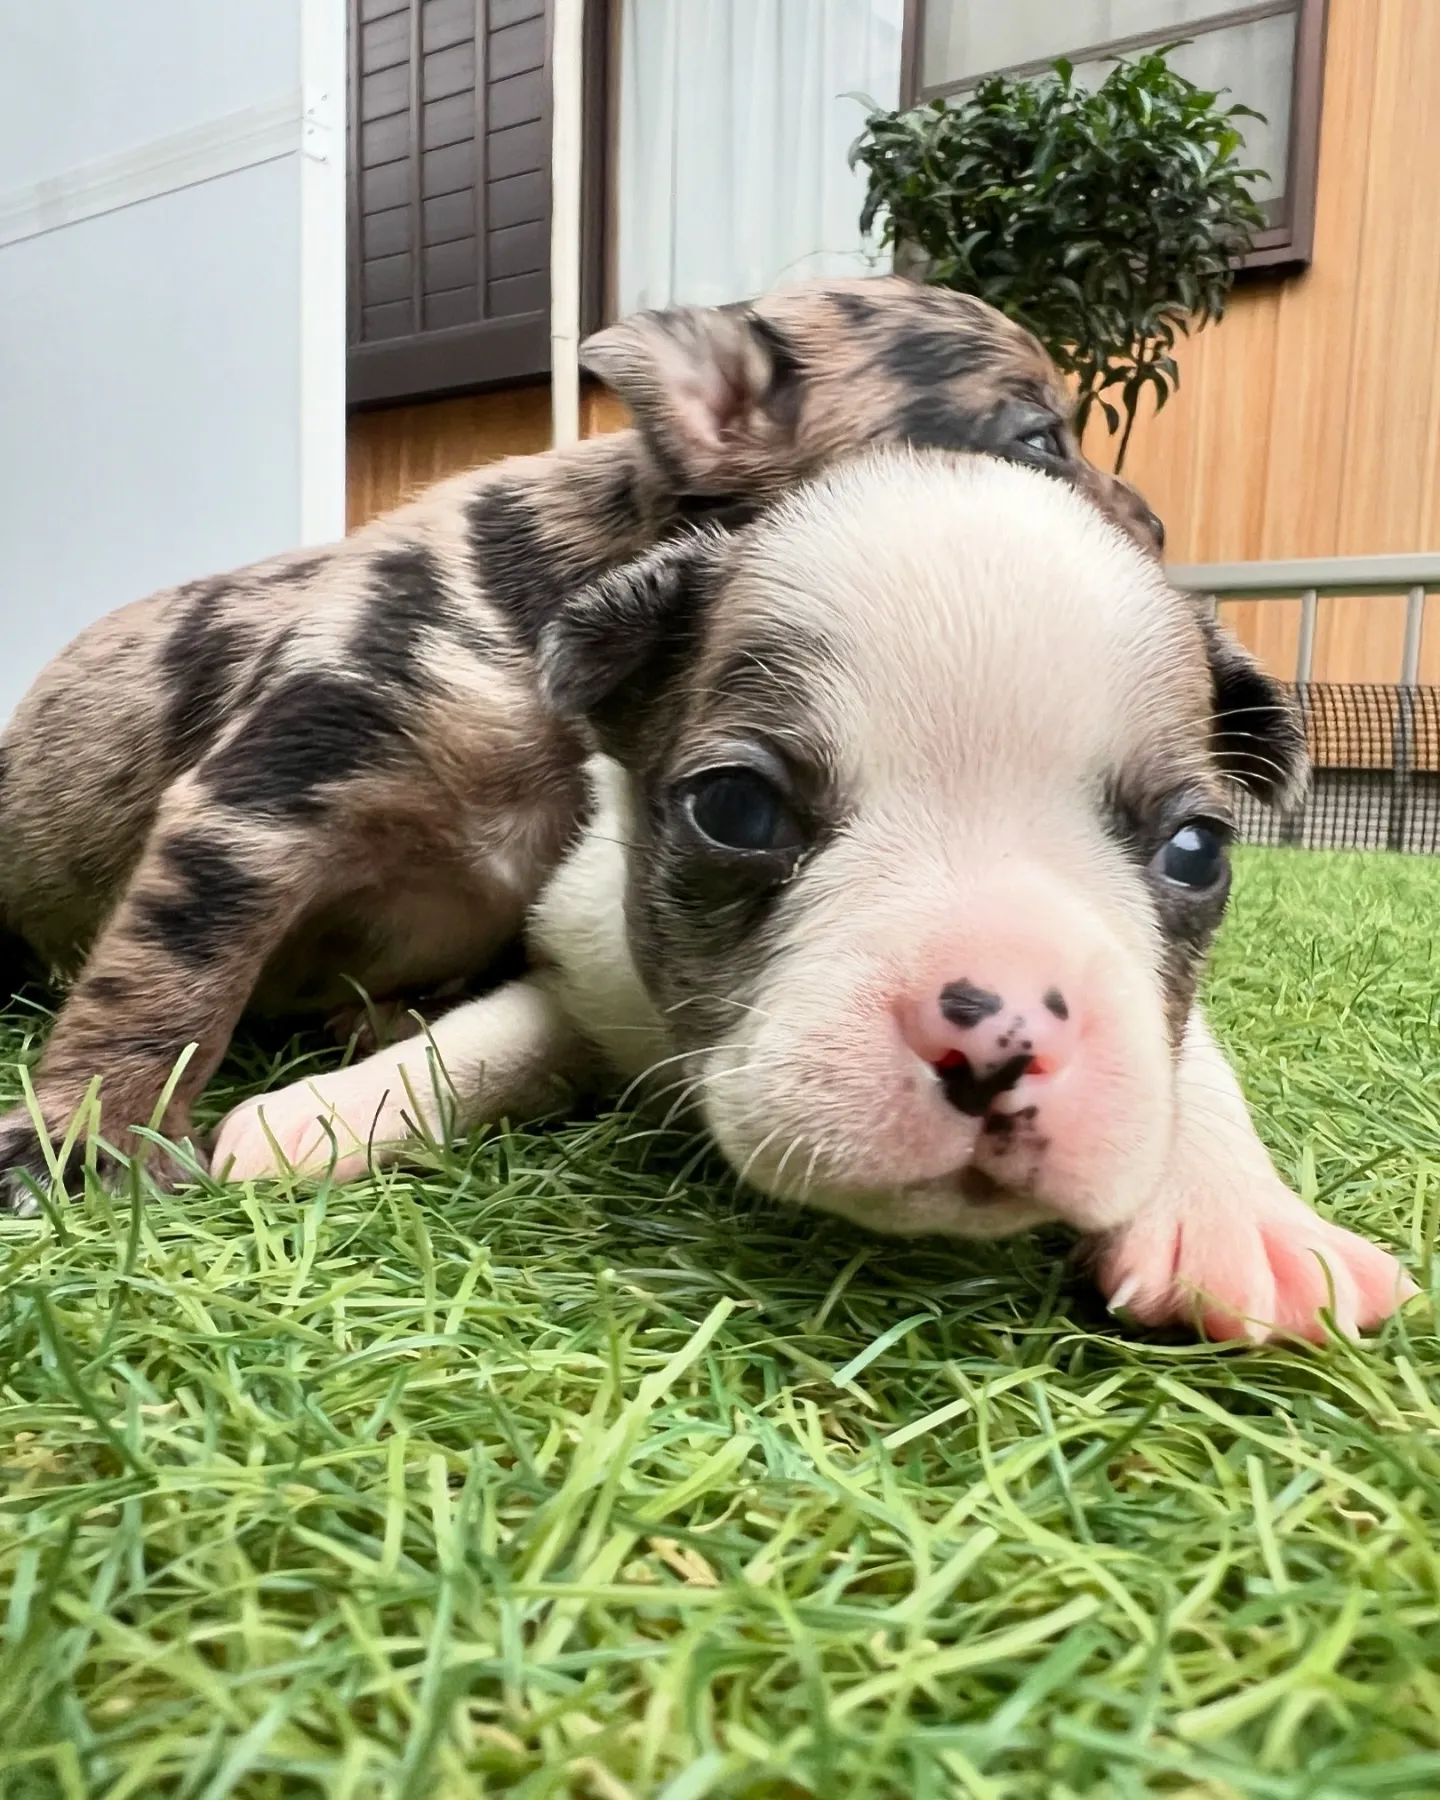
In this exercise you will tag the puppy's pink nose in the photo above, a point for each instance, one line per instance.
(982, 1040)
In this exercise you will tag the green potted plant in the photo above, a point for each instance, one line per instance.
(1107, 220)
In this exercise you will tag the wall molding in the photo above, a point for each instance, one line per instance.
(238, 140)
(323, 202)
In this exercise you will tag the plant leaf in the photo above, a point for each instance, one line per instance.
(1106, 220)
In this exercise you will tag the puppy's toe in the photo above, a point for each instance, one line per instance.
(296, 1131)
(18, 1196)
(1264, 1265)
(24, 1167)
(1321, 1269)
(165, 1172)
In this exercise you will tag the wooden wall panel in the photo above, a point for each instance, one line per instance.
(1308, 423)
(1232, 457)
(1393, 369)
(1310, 380)
(393, 454)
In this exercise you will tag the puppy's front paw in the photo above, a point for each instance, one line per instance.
(332, 1123)
(25, 1167)
(1263, 1266)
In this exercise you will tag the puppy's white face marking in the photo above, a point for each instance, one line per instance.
(928, 845)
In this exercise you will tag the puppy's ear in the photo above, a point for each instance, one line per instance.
(1257, 735)
(613, 644)
(710, 387)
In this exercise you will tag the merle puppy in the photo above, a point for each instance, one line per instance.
(336, 768)
(908, 845)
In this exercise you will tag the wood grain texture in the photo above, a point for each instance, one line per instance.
(1308, 422)
(393, 454)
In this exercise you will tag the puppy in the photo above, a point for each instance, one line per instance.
(908, 841)
(336, 769)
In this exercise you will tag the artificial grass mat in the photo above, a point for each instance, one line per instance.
(561, 1469)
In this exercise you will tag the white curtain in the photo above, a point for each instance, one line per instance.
(734, 125)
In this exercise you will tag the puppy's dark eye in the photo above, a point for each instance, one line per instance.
(1045, 440)
(738, 809)
(1194, 858)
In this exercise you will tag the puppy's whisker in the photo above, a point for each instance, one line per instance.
(686, 1092)
(807, 1184)
(707, 1079)
(729, 1000)
(779, 1179)
(640, 1081)
(1240, 712)
(742, 1174)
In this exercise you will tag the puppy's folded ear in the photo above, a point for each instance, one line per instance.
(1258, 739)
(710, 388)
(614, 645)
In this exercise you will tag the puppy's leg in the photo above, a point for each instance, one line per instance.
(504, 1053)
(372, 1025)
(211, 898)
(1225, 1243)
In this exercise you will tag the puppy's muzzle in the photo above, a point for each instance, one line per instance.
(984, 1040)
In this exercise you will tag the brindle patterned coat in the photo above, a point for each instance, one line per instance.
(334, 768)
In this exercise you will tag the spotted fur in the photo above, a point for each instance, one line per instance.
(257, 790)
(907, 845)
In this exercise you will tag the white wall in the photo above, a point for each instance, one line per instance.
(171, 300)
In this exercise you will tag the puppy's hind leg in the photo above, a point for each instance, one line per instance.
(371, 1025)
(507, 1052)
(213, 894)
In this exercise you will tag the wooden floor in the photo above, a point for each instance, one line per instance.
(393, 454)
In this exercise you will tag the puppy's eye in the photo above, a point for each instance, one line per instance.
(1195, 857)
(1045, 440)
(738, 809)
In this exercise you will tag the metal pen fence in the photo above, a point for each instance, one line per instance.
(1375, 746)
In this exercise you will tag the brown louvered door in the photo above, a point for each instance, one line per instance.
(449, 196)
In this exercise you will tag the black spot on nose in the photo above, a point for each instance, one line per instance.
(1055, 1003)
(966, 1005)
(973, 1094)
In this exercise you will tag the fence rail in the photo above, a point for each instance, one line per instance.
(1376, 749)
(1313, 579)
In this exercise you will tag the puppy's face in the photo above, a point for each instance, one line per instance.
(931, 803)
(739, 402)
